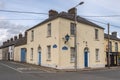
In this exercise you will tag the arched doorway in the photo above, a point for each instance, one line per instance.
(86, 57)
(39, 55)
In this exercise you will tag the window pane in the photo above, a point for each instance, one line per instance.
(32, 35)
(97, 54)
(49, 52)
(49, 30)
(72, 29)
(96, 33)
(72, 54)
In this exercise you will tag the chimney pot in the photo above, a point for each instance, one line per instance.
(114, 34)
(20, 35)
(52, 13)
(15, 37)
(72, 11)
(11, 39)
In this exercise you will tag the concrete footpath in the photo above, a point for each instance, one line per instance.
(48, 69)
(26, 66)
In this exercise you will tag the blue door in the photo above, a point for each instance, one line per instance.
(23, 55)
(86, 59)
(39, 59)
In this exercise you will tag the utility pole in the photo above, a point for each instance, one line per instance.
(75, 36)
(108, 60)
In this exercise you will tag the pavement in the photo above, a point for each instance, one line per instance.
(22, 71)
(30, 68)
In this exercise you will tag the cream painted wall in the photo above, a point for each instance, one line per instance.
(41, 39)
(113, 46)
(61, 58)
(0, 54)
(17, 52)
(84, 33)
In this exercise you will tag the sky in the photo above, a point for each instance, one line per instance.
(11, 24)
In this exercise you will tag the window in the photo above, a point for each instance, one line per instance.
(49, 52)
(49, 30)
(32, 35)
(31, 56)
(72, 59)
(72, 29)
(97, 55)
(96, 34)
(110, 46)
(116, 47)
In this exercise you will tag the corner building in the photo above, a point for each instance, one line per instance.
(51, 43)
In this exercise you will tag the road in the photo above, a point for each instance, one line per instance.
(18, 71)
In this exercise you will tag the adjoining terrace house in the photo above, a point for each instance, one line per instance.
(8, 48)
(20, 51)
(47, 44)
(114, 48)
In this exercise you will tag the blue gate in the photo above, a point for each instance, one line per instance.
(23, 55)
(86, 59)
(39, 59)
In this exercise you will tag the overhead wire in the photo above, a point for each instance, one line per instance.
(23, 12)
(47, 14)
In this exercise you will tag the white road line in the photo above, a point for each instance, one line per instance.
(11, 67)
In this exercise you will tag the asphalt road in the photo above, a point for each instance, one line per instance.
(18, 71)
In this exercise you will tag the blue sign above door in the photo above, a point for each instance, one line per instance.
(64, 48)
(54, 46)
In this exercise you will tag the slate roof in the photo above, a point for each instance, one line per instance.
(7, 44)
(70, 17)
(111, 37)
(21, 41)
(18, 42)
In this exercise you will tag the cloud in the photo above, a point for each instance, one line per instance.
(9, 30)
(2, 4)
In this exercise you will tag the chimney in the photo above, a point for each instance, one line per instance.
(114, 34)
(72, 11)
(20, 35)
(11, 39)
(52, 13)
(15, 38)
(3, 43)
(8, 41)
(25, 33)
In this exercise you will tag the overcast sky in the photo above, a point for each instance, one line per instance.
(10, 27)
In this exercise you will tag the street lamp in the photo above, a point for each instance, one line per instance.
(75, 29)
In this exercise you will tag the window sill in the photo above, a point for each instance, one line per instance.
(97, 60)
(96, 39)
(31, 59)
(72, 61)
(48, 60)
(31, 40)
(72, 35)
(48, 36)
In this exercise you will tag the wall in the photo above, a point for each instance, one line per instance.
(41, 39)
(85, 33)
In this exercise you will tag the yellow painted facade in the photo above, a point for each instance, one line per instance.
(112, 47)
(17, 53)
(60, 58)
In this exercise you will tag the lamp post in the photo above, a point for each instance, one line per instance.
(75, 29)
(108, 45)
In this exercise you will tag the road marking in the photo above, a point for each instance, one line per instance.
(11, 67)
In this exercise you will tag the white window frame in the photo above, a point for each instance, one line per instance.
(32, 35)
(97, 55)
(72, 29)
(49, 30)
(72, 54)
(31, 55)
(49, 52)
(96, 34)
